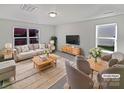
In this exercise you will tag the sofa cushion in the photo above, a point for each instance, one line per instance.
(7, 66)
(121, 62)
(39, 51)
(36, 46)
(42, 46)
(118, 55)
(119, 65)
(31, 47)
(19, 49)
(25, 55)
(25, 48)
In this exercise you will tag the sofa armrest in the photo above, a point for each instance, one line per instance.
(15, 54)
(14, 51)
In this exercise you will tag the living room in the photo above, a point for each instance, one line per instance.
(41, 44)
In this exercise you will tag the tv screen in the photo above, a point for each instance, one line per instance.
(73, 39)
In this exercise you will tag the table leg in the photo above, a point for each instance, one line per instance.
(55, 62)
(14, 76)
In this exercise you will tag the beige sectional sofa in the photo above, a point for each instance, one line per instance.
(28, 51)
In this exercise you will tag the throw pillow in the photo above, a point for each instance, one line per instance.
(36, 46)
(42, 46)
(25, 48)
(31, 47)
(18, 48)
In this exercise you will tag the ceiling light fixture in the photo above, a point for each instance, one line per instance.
(52, 14)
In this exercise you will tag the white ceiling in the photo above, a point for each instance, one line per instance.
(66, 13)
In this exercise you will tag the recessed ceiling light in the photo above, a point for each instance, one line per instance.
(52, 14)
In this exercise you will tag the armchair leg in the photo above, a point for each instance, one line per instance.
(100, 87)
(14, 76)
(66, 86)
(92, 74)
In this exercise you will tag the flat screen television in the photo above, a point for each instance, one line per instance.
(73, 39)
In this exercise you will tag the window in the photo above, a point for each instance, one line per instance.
(106, 37)
(23, 36)
(33, 36)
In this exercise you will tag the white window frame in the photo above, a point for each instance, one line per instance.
(112, 38)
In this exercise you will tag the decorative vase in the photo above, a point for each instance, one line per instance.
(47, 54)
(95, 59)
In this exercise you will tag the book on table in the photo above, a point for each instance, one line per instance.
(43, 57)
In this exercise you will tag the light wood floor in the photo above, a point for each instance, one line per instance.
(28, 77)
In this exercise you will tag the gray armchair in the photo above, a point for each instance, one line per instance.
(112, 83)
(83, 65)
(114, 58)
(106, 57)
(77, 79)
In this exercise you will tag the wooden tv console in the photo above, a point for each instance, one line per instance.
(71, 50)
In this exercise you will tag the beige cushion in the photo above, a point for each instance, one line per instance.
(39, 51)
(118, 55)
(31, 47)
(42, 46)
(25, 55)
(36, 46)
(25, 48)
(7, 66)
(19, 49)
(7, 69)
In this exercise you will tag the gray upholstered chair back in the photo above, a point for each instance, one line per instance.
(83, 65)
(113, 62)
(77, 79)
(106, 57)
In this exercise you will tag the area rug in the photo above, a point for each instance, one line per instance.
(29, 71)
(59, 84)
(7, 82)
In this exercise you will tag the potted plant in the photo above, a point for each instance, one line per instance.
(95, 53)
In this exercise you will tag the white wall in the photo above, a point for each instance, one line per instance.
(6, 31)
(87, 29)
